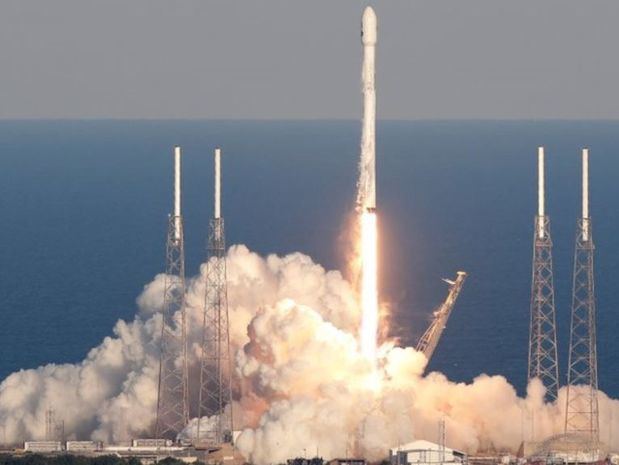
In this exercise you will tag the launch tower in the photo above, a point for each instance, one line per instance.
(173, 396)
(582, 383)
(542, 332)
(215, 399)
(50, 424)
(430, 339)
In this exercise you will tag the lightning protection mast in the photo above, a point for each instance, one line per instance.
(173, 395)
(215, 399)
(581, 412)
(543, 333)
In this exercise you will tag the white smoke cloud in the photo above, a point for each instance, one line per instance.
(302, 386)
(111, 395)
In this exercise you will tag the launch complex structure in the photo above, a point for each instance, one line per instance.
(173, 391)
(215, 424)
(581, 427)
(543, 333)
(582, 415)
(215, 396)
(212, 431)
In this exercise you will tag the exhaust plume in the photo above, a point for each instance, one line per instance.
(300, 378)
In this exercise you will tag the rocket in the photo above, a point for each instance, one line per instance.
(366, 194)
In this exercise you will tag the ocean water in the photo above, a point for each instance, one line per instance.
(84, 206)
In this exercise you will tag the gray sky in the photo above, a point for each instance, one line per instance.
(293, 59)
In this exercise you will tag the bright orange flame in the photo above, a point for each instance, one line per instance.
(369, 288)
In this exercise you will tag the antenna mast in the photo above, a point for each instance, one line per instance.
(543, 333)
(173, 391)
(215, 372)
(581, 412)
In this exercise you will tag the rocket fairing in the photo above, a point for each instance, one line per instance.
(366, 197)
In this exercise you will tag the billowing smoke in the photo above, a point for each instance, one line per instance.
(301, 385)
(111, 395)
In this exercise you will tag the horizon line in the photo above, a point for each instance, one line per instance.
(335, 119)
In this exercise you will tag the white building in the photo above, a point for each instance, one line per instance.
(83, 446)
(43, 446)
(422, 452)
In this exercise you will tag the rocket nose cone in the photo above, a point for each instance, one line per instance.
(368, 26)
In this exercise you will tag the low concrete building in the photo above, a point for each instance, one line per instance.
(44, 447)
(151, 442)
(77, 447)
(346, 461)
(422, 452)
(151, 454)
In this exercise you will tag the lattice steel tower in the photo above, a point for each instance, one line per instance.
(542, 333)
(173, 395)
(430, 339)
(50, 424)
(215, 372)
(581, 410)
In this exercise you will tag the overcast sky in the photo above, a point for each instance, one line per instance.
(293, 59)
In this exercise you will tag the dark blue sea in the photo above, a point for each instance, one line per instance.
(84, 203)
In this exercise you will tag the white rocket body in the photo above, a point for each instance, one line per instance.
(366, 197)
(366, 194)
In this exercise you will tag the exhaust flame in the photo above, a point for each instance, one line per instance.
(369, 291)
